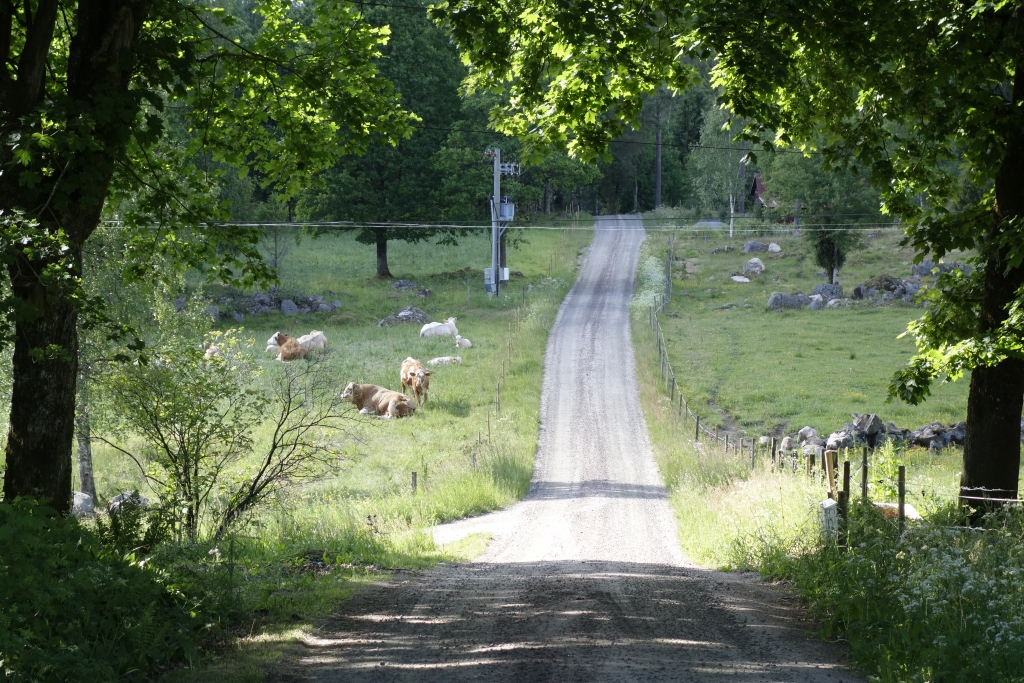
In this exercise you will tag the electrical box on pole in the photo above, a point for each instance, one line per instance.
(503, 211)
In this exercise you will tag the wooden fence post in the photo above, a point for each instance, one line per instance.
(844, 506)
(902, 498)
(414, 483)
(864, 474)
(773, 451)
(752, 453)
(696, 431)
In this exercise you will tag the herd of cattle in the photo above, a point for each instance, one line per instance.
(371, 399)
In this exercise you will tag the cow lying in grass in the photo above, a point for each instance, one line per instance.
(445, 329)
(445, 360)
(417, 378)
(303, 346)
(371, 399)
(288, 348)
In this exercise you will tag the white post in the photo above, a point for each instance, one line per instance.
(732, 210)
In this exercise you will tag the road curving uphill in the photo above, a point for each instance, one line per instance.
(583, 580)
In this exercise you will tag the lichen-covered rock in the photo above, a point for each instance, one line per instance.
(289, 307)
(753, 267)
(779, 300)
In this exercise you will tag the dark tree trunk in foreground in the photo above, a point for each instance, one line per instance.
(992, 446)
(45, 365)
(43, 407)
(382, 254)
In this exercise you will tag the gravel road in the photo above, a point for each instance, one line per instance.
(583, 580)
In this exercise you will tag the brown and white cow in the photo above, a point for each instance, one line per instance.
(417, 378)
(371, 399)
(289, 348)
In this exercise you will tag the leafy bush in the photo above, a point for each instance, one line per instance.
(944, 603)
(70, 609)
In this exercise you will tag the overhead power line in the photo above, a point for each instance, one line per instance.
(666, 225)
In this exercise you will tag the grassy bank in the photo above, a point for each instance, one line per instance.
(942, 602)
(270, 580)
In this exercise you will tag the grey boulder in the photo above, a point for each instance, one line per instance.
(754, 246)
(787, 443)
(774, 248)
(779, 300)
(816, 303)
(753, 267)
(806, 433)
(126, 499)
(288, 307)
(838, 440)
(213, 312)
(828, 292)
(324, 307)
(238, 316)
(869, 423)
(82, 505)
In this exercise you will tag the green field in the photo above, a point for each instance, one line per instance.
(756, 371)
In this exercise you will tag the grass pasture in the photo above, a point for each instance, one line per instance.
(363, 519)
(757, 372)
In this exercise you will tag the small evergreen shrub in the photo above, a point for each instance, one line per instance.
(72, 609)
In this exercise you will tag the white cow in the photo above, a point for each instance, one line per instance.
(273, 344)
(462, 343)
(314, 341)
(445, 329)
(445, 360)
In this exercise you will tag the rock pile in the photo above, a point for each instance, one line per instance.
(926, 268)
(409, 314)
(237, 306)
(887, 288)
(868, 429)
(722, 250)
(407, 286)
(828, 292)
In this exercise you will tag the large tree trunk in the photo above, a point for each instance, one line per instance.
(382, 254)
(83, 432)
(992, 446)
(100, 64)
(42, 422)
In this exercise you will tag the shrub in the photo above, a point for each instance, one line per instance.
(70, 609)
(944, 603)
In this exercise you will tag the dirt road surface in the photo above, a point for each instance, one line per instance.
(583, 580)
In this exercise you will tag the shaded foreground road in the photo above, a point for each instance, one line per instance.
(584, 579)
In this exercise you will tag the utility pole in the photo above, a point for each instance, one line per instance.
(502, 212)
(657, 162)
